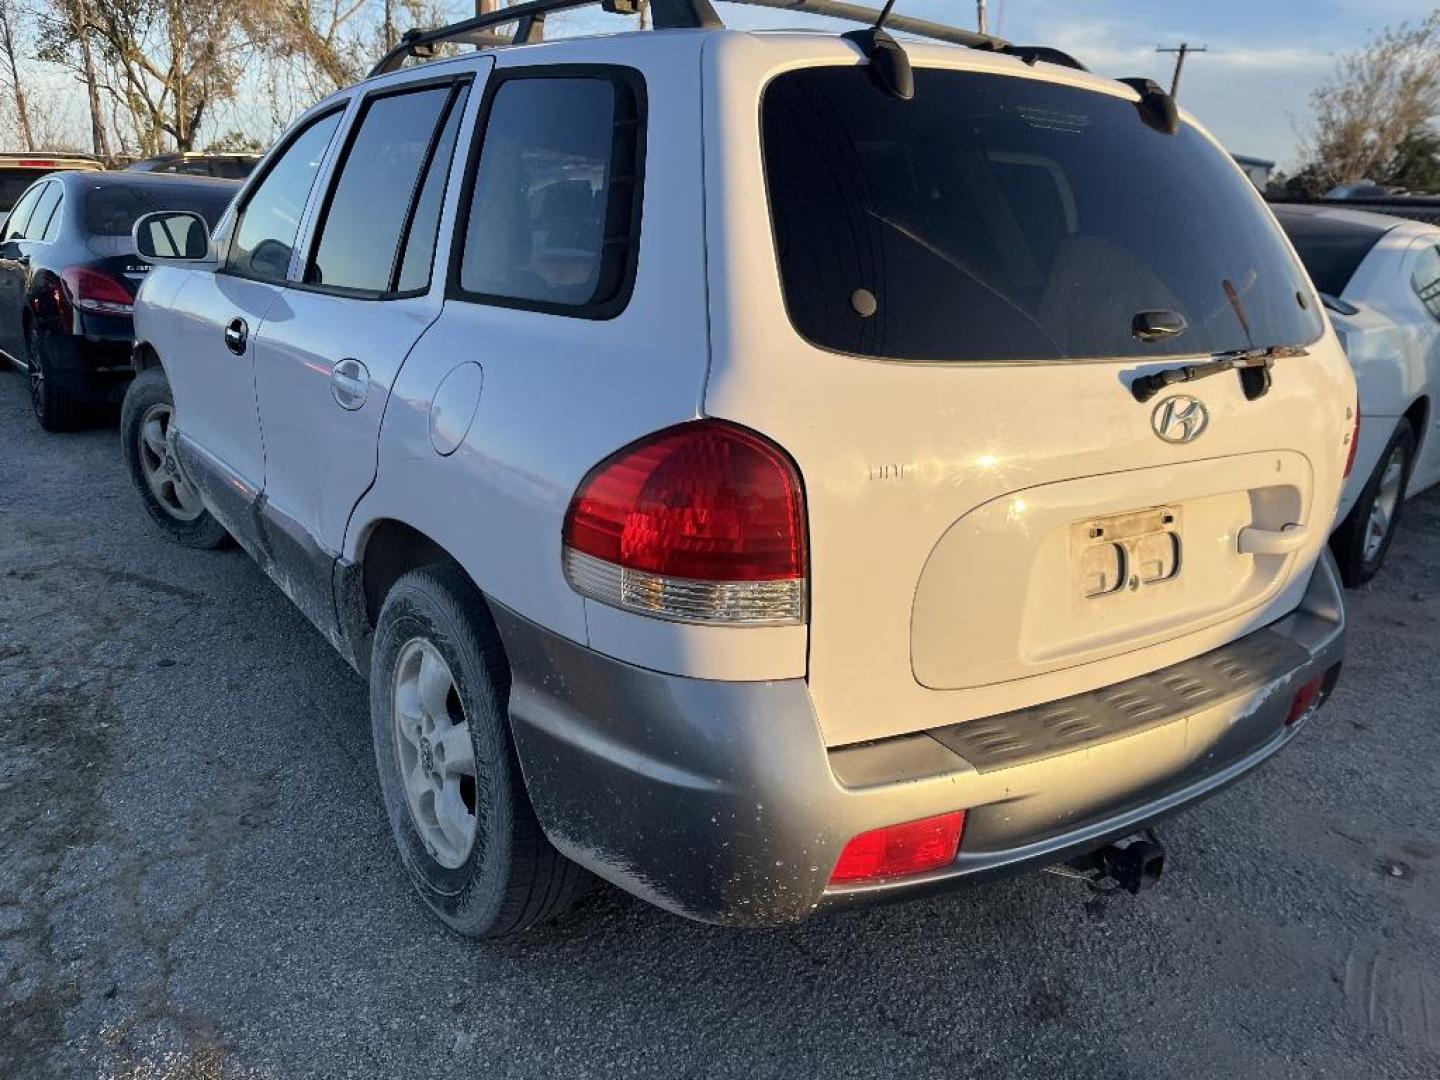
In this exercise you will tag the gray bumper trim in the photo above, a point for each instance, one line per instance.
(720, 801)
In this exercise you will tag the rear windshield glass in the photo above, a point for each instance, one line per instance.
(1003, 218)
(111, 209)
(1332, 250)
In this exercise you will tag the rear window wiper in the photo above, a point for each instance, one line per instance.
(1253, 365)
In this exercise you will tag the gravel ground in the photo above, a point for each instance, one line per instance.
(196, 876)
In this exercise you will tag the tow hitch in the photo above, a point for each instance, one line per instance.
(1132, 863)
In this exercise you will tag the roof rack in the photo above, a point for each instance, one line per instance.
(529, 18)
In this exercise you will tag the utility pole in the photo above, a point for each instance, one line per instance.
(1183, 50)
(980, 19)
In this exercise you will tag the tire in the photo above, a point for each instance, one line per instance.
(1364, 537)
(506, 877)
(53, 405)
(172, 502)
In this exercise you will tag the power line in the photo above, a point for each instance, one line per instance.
(1181, 51)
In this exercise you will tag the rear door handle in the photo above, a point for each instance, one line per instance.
(349, 383)
(1252, 541)
(236, 334)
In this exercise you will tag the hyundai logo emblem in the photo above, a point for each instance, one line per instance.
(1180, 419)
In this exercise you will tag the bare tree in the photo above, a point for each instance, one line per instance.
(9, 24)
(165, 62)
(1377, 98)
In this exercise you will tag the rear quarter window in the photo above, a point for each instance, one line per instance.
(553, 217)
(996, 217)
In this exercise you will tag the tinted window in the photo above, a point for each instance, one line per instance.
(552, 219)
(45, 223)
(20, 214)
(270, 221)
(371, 199)
(419, 249)
(13, 183)
(1332, 249)
(1425, 279)
(1003, 218)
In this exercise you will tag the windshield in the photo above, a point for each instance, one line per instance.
(1332, 249)
(111, 209)
(1002, 218)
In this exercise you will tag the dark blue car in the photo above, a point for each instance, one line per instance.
(68, 277)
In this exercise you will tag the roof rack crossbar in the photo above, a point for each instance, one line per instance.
(529, 20)
(906, 24)
(529, 17)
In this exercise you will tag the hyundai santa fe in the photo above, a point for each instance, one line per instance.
(767, 470)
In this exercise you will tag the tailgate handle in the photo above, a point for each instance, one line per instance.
(1252, 541)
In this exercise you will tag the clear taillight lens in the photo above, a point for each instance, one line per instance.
(704, 522)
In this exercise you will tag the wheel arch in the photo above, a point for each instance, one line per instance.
(387, 550)
(143, 357)
(1419, 416)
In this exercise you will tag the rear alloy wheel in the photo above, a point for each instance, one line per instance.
(439, 710)
(1364, 537)
(146, 433)
(52, 404)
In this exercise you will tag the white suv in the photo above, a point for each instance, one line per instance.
(752, 485)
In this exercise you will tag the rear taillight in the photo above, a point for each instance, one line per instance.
(900, 850)
(1354, 443)
(91, 290)
(704, 522)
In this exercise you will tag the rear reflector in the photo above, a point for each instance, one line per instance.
(704, 522)
(1305, 699)
(898, 850)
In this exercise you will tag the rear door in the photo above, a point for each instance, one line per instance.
(941, 319)
(329, 353)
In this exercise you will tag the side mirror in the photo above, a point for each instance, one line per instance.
(172, 236)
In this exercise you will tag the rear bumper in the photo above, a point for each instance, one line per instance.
(94, 366)
(719, 801)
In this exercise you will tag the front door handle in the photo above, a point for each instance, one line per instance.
(236, 334)
(349, 383)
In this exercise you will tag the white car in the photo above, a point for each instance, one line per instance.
(1379, 276)
(768, 470)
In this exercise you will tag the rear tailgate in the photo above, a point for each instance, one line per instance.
(944, 344)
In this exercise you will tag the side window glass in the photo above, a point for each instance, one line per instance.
(21, 212)
(270, 219)
(553, 215)
(44, 223)
(1426, 279)
(371, 199)
(419, 250)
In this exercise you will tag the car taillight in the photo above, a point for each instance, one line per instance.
(90, 290)
(704, 522)
(1354, 443)
(898, 850)
(1305, 699)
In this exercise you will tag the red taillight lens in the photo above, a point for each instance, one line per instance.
(1305, 699)
(1354, 443)
(705, 521)
(897, 850)
(91, 290)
